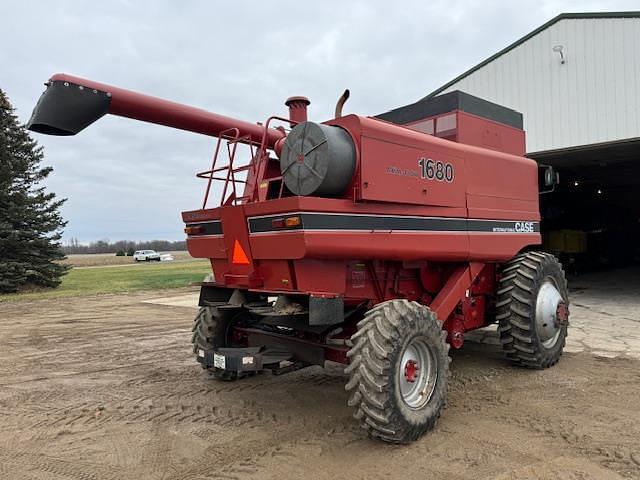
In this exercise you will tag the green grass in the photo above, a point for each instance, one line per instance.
(117, 279)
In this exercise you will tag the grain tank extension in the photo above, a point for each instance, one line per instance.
(372, 242)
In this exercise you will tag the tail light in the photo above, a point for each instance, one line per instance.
(292, 222)
(194, 230)
(288, 222)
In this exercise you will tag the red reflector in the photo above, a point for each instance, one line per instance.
(239, 257)
(277, 223)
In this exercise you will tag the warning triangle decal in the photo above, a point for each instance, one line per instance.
(239, 257)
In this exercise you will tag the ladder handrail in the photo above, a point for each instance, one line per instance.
(258, 155)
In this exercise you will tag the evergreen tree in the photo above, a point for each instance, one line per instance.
(30, 221)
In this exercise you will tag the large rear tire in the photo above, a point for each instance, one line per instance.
(532, 309)
(399, 367)
(211, 330)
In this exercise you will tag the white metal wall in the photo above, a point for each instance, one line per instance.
(593, 98)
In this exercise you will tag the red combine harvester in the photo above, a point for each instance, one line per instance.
(359, 241)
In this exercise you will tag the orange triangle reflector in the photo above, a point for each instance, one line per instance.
(239, 257)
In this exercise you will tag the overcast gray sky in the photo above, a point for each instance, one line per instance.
(129, 180)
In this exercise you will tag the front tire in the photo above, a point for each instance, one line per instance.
(533, 310)
(211, 330)
(399, 367)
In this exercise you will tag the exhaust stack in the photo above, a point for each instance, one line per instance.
(70, 104)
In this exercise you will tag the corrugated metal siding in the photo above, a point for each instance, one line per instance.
(593, 98)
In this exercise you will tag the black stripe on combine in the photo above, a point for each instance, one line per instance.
(359, 222)
(322, 221)
(208, 228)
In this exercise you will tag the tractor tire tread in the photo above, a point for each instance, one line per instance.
(372, 369)
(515, 309)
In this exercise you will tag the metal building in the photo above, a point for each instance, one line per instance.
(576, 80)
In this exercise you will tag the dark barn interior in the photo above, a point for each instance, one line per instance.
(592, 219)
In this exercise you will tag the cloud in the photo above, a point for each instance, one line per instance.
(243, 59)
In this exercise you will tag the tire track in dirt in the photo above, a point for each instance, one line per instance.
(250, 461)
(75, 374)
(170, 408)
(78, 470)
(619, 458)
(107, 334)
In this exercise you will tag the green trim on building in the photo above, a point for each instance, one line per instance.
(562, 16)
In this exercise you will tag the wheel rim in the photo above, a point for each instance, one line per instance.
(417, 373)
(548, 324)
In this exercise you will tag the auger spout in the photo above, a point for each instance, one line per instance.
(70, 104)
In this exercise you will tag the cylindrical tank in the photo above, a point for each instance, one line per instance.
(317, 160)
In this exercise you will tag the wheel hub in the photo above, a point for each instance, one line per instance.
(417, 373)
(562, 313)
(552, 313)
(410, 370)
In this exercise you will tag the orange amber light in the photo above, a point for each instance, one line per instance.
(292, 221)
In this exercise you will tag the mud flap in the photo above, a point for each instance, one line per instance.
(325, 311)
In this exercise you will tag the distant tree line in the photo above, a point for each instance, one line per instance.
(73, 246)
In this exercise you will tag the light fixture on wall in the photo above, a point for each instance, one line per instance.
(559, 49)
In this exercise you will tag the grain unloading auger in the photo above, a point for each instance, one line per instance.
(359, 241)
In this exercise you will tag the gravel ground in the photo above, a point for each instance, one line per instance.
(106, 387)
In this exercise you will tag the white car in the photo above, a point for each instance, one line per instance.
(146, 256)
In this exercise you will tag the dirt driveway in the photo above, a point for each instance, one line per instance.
(106, 388)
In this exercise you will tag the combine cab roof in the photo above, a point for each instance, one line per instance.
(449, 102)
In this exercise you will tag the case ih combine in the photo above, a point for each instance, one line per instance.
(358, 241)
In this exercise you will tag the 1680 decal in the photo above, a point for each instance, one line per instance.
(436, 170)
